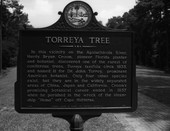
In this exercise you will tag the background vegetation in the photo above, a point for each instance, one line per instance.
(13, 20)
(149, 20)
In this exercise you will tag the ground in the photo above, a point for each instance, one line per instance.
(152, 114)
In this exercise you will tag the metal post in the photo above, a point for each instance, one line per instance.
(76, 123)
(1, 38)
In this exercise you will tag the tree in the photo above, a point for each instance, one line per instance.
(116, 23)
(77, 8)
(13, 20)
(150, 22)
(100, 22)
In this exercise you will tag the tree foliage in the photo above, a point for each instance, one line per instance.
(149, 20)
(13, 19)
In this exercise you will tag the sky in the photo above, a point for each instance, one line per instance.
(43, 13)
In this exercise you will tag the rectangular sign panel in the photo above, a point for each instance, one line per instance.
(75, 71)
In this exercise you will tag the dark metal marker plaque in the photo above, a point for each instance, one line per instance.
(75, 71)
(75, 66)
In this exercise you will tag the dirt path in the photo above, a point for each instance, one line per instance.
(153, 113)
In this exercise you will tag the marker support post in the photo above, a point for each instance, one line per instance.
(76, 121)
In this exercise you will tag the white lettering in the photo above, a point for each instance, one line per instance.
(54, 39)
(100, 40)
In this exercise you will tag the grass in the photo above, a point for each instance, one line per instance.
(154, 83)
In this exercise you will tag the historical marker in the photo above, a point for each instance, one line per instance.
(74, 69)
